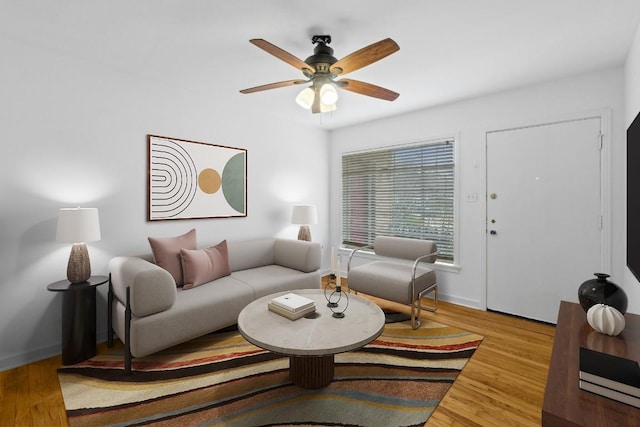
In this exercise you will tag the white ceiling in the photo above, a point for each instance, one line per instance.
(449, 49)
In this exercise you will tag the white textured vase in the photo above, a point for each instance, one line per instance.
(605, 319)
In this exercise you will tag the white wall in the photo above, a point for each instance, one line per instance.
(469, 121)
(74, 133)
(632, 107)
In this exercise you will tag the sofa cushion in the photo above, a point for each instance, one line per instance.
(390, 280)
(250, 253)
(166, 252)
(196, 312)
(204, 265)
(402, 247)
(275, 278)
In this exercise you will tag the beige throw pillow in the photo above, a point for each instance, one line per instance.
(166, 252)
(204, 265)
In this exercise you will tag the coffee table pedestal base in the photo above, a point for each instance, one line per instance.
(311, 371)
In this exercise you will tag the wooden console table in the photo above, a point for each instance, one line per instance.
(565, 404)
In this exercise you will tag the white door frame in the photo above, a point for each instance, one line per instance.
(605, 184)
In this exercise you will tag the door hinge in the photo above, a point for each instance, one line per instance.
(601, 220)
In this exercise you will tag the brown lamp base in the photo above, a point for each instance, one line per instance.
(79, 267)
(304, 233)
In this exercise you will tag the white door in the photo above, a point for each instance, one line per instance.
(544, 216)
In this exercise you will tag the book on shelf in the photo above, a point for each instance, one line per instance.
(293, 302)
(611, 394)
(614, 385)
(612, 372)
(289, 314)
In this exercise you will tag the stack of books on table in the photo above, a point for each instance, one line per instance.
(610, 376)
(292, 306)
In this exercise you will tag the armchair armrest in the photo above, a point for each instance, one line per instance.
(431, 257)
(152, 289)
(353, 252)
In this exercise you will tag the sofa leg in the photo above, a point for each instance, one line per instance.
(127, 335)
(110, 314)
(127, 362)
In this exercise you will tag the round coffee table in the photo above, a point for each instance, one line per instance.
(312, 341)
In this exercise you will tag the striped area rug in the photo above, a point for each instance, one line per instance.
(222, 380)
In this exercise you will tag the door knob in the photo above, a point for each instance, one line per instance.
(493, 232)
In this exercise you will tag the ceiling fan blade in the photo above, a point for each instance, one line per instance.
(283, 55)
(273, 86)
(367, 89)
(365, 56)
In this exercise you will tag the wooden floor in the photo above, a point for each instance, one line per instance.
(503, 383)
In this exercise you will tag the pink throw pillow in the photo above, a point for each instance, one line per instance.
(204, 265)
(166, 252)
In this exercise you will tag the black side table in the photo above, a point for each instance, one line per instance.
(78, 318)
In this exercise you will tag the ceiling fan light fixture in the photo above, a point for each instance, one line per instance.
(322, 68)
(328, 94)
(305, 98)
(327, 108)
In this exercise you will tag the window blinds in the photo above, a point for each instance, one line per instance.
(403, 191)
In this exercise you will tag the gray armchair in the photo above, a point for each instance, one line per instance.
(395, 279)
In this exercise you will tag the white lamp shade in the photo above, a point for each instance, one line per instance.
(305, 98)
(304, 214)
(328, 94)
(77, 225)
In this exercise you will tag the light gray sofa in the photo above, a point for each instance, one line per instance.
(149, 313)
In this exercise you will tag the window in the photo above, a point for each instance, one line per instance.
(404, 191)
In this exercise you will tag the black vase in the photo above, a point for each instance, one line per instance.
(602, 291)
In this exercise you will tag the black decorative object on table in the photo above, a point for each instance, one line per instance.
(602, 291)
(336, 295)
(330, 281)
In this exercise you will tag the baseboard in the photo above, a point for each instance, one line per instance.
(29, 357)
(36, 355)
(459, 301)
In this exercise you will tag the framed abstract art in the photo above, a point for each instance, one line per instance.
(190, 180)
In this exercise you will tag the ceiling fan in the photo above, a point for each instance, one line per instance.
(321, 70)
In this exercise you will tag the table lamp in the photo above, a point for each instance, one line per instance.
(77, 226)
(304, 215)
